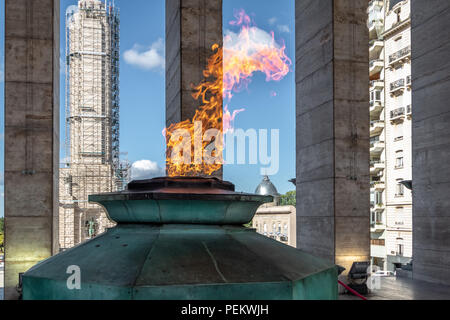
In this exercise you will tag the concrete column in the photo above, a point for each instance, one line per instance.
(332, 115)
(192, 27)
(31, 135)
(431, 140)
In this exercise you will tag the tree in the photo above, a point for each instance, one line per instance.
(288, 199)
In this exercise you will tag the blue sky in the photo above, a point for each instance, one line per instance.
(142, 87)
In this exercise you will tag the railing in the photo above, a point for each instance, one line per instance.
(397, 84)
(372, 143)
(377, 242)
(374, 184)
(373, 123)
(372, 42)
(372, 63)
(373, 82)
(373, 163)
(400, 54)
(397, 112)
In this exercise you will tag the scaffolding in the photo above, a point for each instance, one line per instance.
(93, 163)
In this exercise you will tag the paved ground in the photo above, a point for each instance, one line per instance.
(393, 288)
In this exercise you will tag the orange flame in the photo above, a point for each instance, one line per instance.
(231, 68)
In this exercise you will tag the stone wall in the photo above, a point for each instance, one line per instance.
(31, 135)
(332, 114)
(431, 139)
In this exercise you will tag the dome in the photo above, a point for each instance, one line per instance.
(266, 188)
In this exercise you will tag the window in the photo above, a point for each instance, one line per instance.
(279, 227)
(398, 13)
(378, 198)
(398, 132)
(400, 249)
(399, 159)
(379, 218)
(375, 95)
(400, 188)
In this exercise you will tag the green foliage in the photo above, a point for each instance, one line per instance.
(288, 199)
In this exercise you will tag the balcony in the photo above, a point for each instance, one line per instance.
(376, 147)
(397, 114)
(376, 127)
(376, 167)
(377, 227)
(375, 48)
(375, 5)
(397, 87)
(376, 107)
(378, 251)
(400, 57)
(375, 22)
(378, 185)
(375, 66)
(376, 85)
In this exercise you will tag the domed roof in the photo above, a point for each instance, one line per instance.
(266, 188)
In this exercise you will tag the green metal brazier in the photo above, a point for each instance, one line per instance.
(181, 238)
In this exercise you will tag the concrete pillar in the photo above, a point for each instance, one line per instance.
(31, 135)
(332, 84)
(431, 140)
(192, 27)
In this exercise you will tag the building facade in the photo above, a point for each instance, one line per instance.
(376, 11)
(390, 132)
(397, 38)
(92, 111)
(277, 222)
(274, 220)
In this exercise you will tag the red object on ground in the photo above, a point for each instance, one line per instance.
(351, 290)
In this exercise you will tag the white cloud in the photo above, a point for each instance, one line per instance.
(257, 39)
(284, 28)
(272, 21)
(146, 169)
(147, 58)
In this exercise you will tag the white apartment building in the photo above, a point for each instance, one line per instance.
(397, 39)
(376, 12)
(390, 132)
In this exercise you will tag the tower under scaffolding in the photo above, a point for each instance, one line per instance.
(93, 163)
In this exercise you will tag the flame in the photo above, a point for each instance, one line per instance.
(229, 70)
